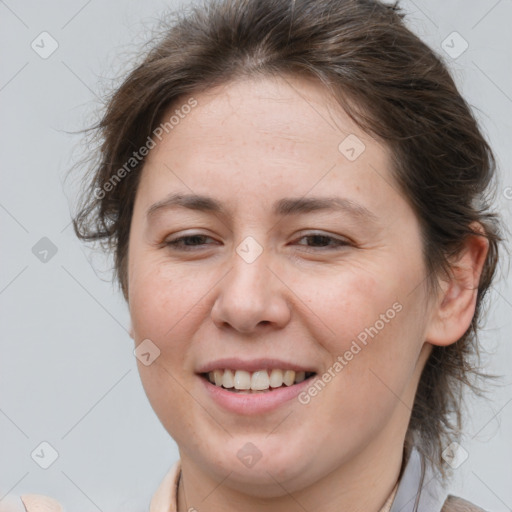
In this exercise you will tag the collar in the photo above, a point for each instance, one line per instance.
(419, 489)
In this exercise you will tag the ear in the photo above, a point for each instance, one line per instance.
(131, 332)
(454, 307)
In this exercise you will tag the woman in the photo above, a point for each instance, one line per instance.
(295, 196)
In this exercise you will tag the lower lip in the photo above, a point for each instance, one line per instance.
(254, 403)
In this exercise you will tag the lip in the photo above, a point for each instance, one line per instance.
(253, 365)
(254, 403)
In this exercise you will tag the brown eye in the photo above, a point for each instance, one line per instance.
(322, 241)
(187, 243)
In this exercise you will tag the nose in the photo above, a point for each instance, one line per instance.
(251, 297)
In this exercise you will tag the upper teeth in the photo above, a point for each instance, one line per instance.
(257, 381)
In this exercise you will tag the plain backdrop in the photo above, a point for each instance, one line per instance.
(67, 371)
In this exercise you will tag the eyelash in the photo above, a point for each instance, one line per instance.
(177, 244)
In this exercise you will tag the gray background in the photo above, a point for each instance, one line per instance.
(67, 372)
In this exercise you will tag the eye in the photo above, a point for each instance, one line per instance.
(318, 241)
(322, 241)
(187, 243)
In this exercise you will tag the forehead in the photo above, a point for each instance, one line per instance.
(288, 109)
(263, 137)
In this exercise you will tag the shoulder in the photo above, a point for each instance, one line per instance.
(457, 504)
(29, 503)
(40, 503)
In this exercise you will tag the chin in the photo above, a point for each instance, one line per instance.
(258, 464)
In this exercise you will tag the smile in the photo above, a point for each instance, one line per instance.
(260, 381)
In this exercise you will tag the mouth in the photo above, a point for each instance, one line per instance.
(259, 381)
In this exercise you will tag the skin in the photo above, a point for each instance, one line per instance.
(247, 144)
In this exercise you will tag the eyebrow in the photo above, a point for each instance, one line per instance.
(282, 207)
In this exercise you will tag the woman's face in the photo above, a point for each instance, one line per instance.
(312, 262)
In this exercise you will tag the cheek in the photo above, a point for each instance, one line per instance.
(163, 308)
(161, 298)
(346, 303)
(372, 329)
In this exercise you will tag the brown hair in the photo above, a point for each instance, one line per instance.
(397, 89)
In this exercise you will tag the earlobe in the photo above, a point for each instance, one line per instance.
(453, 311)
